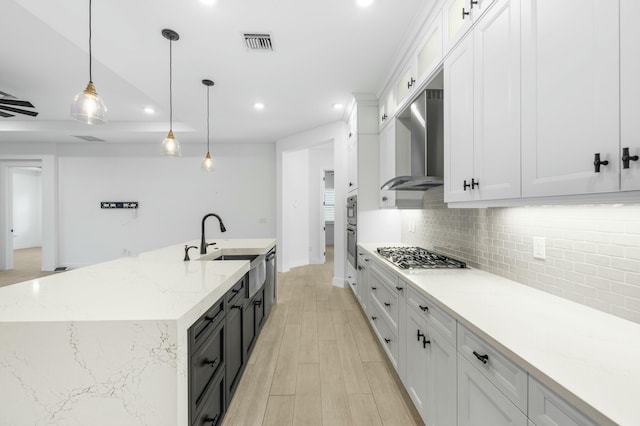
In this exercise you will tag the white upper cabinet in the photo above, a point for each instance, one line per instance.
(407, 83)
(482, 109)
(570, 96)
(457, 18)
(629, 95)
(352, 151)
(387, 163)
(430, 52)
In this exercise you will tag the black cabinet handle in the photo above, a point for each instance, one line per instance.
(350, 183)
(385, 198)
(366, 260)
(474, 183)
(374, 288)
(425, 343)
(597, 163)
(210, 319)
(211, 363)
(420, 335)
(484, 358)
(399, 288)
(374, 318)
(387, 304)
(384, 117)
(626, 158)
(464, 13)
(257, 302)
(360, 268)
(350, 134)
(387, 340)
(410, 82)
(473, 2)
(466, 185)
(236, 306)
(424, 308)
(213, 421)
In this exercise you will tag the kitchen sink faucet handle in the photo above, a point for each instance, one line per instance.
(186, 252)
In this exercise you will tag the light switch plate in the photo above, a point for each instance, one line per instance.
(539, 248)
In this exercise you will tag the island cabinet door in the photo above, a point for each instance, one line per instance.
(234, 355)
(249, 331)
(213, 407)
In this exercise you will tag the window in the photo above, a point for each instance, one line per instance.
(329, 205)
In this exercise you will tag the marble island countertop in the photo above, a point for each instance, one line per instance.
(590, 358)
(111, 338)
(154, 285)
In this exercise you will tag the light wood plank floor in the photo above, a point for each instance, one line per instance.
(27, 264)
(317, 362)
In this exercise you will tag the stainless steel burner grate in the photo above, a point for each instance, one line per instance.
(418, 258)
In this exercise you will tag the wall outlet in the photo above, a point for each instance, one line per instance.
(538, 248)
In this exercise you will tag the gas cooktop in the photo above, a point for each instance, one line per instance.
(418, 258)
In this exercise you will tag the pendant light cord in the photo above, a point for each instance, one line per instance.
(170, 85)
(90, 73)
(208, 103)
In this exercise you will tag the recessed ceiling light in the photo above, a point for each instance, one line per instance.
(149, 110)
(258, 105)
(338, 106)
(364, 3)
(208, 2)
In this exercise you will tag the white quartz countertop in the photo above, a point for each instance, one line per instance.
(589, 357)
(153, 285)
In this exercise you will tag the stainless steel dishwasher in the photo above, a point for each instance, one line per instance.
(270, 290)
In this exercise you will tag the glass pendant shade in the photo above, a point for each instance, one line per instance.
(207, 163)
(171, 146)
(88, 107)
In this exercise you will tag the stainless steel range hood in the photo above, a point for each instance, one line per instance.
(419, 145)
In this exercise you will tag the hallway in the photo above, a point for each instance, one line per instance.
(27, 264)
(317, 362)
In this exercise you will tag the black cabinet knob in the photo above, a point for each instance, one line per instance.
(387, 304)
(350, 183)
(399, 288)
(210, 363)
(424, 308)
(464, 13)
(374, 318)
(387, 340)
(374, 288)
(626, 158)
(484, 358)
(597, 163)
(385, 198)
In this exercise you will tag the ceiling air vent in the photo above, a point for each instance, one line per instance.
(88, 138)
(258, 41)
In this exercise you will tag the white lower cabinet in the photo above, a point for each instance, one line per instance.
(481, 403)
(548, 409)
(417, 361)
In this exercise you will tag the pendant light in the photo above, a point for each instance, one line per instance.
(207, 163)
(87, 106)
(170, 145)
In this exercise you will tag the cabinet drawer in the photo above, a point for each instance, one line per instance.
(437, 318)
(510, 379)
(205, 363)
(548, 409)
(212, 408)
(208, 321)
(481, 403)
(238, 292)
(388, 338)
(387, 301)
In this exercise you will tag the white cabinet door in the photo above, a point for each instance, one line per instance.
(630, 93)
(458, 122)
(548, 409)
(481, 403)
(387, 162)
(430, 53)
(441, 380)
(454, 23)
(496, 115)
(352, 152)
(570, 96)
(417, 362)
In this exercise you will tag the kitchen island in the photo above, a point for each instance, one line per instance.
(108, 344)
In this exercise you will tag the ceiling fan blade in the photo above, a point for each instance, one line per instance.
(16, 103)
(19, 111)
(4, 114)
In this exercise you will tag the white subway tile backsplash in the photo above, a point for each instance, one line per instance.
(592, 252)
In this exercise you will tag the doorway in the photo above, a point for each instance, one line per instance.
(328, 207)
(28, 215)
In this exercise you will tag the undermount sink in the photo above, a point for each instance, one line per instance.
(248, 257)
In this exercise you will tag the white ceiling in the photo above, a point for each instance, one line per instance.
(324, 50)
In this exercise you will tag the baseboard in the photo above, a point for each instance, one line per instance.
(339, 282)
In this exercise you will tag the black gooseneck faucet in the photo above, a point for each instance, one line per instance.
(203, 242)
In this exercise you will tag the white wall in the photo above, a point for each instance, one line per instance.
(27, 208)
(337, 133)
(174, 195)
(320, 159)
(295, 208)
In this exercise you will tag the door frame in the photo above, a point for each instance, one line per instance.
(48, 165)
